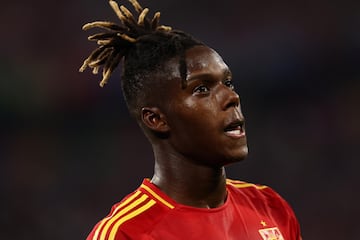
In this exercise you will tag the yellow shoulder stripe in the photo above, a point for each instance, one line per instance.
(129, 216)
(115, 210)
(169, 205)
(246, 185)
(120, 214)
(234, 181)
(240, 184)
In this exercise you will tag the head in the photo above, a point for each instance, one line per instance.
(142, 46)
(178, 89)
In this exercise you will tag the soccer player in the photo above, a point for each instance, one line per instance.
(180, 91)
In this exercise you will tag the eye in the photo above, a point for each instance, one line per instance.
(229, 84)
(201, 89)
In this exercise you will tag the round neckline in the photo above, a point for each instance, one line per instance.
(180, 206)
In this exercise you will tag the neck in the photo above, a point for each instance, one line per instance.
(189, 183)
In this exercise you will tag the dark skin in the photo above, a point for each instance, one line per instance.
(204, 129)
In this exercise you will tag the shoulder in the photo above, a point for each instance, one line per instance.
(261, 196)
(133, 217)
(266, 202)
(251, 188)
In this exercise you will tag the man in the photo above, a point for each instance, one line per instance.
(180, 92)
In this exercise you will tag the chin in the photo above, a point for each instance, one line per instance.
(238, 156)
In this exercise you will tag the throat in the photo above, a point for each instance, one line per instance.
(201, 189)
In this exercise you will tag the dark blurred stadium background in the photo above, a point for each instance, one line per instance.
(69, 150)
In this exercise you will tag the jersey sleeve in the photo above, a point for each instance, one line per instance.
(294, 223)
(283, 208)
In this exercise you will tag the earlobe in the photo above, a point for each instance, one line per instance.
(154, 119)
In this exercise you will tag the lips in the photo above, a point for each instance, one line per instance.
(235, 129)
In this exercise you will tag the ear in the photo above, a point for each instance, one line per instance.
(154, 119)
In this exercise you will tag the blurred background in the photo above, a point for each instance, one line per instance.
(69, 149)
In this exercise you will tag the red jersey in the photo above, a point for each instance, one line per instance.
(251, 212)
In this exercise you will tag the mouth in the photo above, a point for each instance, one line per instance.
(235, 129)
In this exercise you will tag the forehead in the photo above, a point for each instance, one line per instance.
(200, 61)
(204, 60)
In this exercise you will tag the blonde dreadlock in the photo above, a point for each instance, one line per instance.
(114, 43)
(143, 46)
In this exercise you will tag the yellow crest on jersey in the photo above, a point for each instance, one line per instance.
(271, 234)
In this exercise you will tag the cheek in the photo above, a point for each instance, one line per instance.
(202, 107)
(196, 116)
(193, 115)
(196, 125)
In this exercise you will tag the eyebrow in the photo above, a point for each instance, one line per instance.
(226, 72)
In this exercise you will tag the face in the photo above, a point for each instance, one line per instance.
(205, 120)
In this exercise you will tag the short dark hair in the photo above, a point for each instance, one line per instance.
(143, 46)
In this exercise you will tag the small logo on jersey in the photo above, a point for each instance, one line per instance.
(271, 234)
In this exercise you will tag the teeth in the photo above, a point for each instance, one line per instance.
(234, 132)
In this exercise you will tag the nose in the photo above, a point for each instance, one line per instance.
(229, 98)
